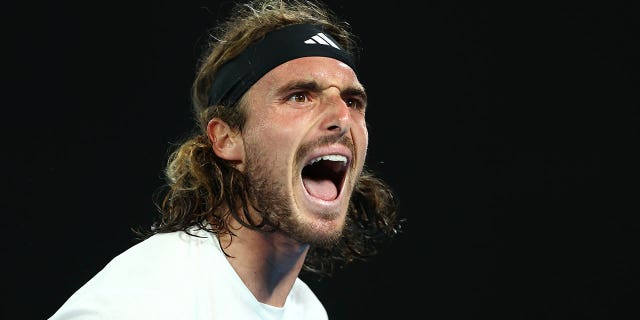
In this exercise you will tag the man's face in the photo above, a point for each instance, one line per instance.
(305, 143)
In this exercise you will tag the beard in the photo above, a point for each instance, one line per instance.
(269, 196)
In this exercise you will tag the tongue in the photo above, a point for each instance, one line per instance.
(323, 189)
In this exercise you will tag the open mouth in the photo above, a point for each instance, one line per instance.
(323, 176)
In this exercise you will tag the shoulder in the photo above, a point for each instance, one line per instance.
(165, 247)
(143, 280)
(161, 256)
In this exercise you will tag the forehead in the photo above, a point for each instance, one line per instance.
(324, 70)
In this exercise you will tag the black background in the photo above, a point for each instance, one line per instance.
(511, 133)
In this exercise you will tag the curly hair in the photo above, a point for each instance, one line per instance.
(203, 190)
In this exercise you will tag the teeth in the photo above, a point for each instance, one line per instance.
(331, 157)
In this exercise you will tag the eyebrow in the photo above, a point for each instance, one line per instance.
(314, 86)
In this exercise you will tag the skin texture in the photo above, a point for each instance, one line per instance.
(302, 109)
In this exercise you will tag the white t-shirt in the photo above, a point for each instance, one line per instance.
(178, 276)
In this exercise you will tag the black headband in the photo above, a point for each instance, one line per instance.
(236, 76)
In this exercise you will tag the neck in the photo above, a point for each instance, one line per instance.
(267, 263)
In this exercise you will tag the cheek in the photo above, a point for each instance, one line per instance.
(361, 138)
(366, 140)
(362, 127)
(271, 132)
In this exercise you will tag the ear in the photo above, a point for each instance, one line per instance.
(227, 143)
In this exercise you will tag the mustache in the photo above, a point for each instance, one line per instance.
(325, 141)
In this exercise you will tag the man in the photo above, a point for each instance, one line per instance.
(274, 182)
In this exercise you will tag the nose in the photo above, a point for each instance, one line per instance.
(337, 114)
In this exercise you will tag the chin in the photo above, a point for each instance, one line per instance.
(320, 231)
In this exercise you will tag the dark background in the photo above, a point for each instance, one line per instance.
(510, 132)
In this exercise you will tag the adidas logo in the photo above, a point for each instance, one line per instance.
(321, 38)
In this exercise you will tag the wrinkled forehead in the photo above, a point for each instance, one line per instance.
(318, 72)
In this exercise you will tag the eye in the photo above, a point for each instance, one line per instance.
(299, 97)
(355, 103)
